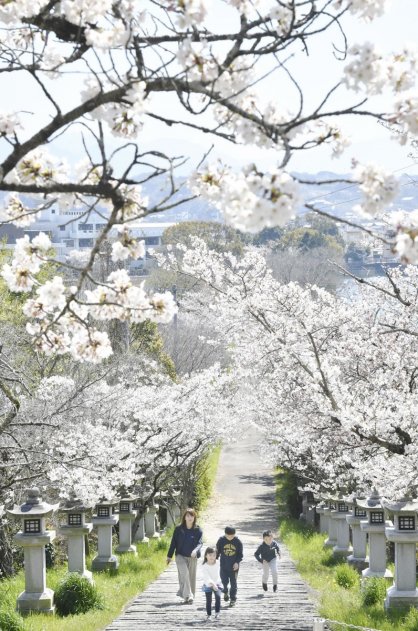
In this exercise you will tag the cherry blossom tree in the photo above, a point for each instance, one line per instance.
(330, 380)
(100, 74)
(124, 424)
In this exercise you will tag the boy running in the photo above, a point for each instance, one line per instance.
(267, 554)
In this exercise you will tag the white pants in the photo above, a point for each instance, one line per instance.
(186, 568)
(270, 566)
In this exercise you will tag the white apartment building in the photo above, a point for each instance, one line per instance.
(73, 230)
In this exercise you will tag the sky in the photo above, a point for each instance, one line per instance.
(371, 142)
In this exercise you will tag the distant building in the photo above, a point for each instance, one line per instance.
(76, 230)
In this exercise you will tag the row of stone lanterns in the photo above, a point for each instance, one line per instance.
(367, 519)
(34, 536)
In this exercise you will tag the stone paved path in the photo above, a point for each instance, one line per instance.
(243, 497)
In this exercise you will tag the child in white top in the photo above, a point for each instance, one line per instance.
(211, 582)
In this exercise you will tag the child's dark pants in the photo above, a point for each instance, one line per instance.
(209, 601)
(229, 576)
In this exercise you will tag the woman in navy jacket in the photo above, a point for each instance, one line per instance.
(186, 542)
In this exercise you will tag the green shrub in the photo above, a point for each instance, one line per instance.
(10, 621)
(411, 620)
(162, 544)
(346, 576)
(374, 591)
(75, 595)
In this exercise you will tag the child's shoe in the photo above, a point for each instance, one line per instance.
(217, 617)
(275, 588)
(208, 618)
(265, 586)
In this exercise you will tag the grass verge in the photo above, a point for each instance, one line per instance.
(205, 477)
(117, 589)
(321, 571)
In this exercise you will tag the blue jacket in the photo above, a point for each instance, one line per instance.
(184, 543)
(265, 552)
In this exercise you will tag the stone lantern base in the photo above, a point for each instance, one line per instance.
(36, 601)
(396, 599)
(121, 549)
(341, 552)
(100, 564)
(359, 563)
(368, 573)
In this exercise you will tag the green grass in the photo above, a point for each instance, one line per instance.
(206, 474)
(133, 576)
(321, 571)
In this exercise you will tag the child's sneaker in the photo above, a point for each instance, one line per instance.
(217, 616)
(208, 618)
(265, 587)
(275, 588)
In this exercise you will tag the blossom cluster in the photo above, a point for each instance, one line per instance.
(41, 168)
(9, 123)
(197, 60)
(250, 200)
(406, 238)
(59, 317)
(371, 71)
(367, 9)
(378, 186)
(125, 117)
(16, 212)
(127, 246)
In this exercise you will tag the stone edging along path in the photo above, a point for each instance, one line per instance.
(244, 497)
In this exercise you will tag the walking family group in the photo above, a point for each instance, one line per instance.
(220, 564)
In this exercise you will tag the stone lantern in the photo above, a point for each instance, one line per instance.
(331, 542)
(75, 530)
(358, 558)
(339, 515)
(374, 525)
(141, 509)
(104, 520)
(140, 535)
(308, 507)
(33, 538)
(127, 516)
(173, 510)
(151, 521)
(162, 499)
(404, 533)
(322, 511)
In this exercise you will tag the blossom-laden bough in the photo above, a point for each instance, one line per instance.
(102, 74)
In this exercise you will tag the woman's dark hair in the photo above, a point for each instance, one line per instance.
(189, 511)
(208, 551)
